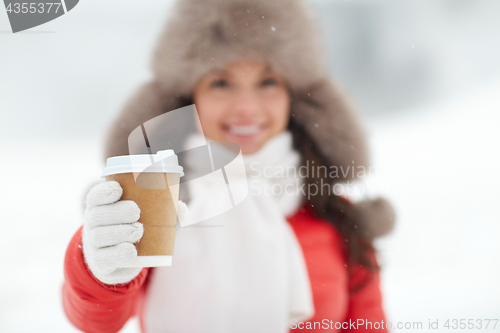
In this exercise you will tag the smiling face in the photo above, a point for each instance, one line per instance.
(246, 103)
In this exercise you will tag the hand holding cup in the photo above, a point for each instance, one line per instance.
(110, 230)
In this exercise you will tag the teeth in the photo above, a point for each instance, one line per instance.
(244, 130)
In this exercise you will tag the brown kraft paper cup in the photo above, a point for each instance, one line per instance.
(157, 195)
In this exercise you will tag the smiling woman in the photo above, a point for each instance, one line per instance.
(247, 104)
(254, 69)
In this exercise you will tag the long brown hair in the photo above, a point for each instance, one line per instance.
(342, 214)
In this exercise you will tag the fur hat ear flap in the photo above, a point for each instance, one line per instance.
(148, 102)
(377, 217)
(324, 113)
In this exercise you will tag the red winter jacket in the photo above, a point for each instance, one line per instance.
(93, 306)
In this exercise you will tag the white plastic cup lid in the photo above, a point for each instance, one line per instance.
(163, 161)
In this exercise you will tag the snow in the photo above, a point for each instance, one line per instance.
(438, 164)
(42, 202)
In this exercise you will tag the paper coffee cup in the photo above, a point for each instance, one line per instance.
(152, 182)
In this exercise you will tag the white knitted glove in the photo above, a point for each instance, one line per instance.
(110, 229)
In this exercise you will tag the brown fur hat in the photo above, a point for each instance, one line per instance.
(203, 35)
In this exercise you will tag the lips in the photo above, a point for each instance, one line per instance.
(244, 130)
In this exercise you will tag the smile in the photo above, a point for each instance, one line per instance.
(244, 130)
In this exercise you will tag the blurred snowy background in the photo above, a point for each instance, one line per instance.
(425, 74)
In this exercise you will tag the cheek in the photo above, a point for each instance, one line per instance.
(210, 112)
(280, 111)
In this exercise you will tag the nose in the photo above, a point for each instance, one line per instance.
(246, 103)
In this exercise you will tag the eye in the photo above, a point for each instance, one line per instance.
(269, 82)
(219, 83)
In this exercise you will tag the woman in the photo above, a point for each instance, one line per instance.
(284, 261)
